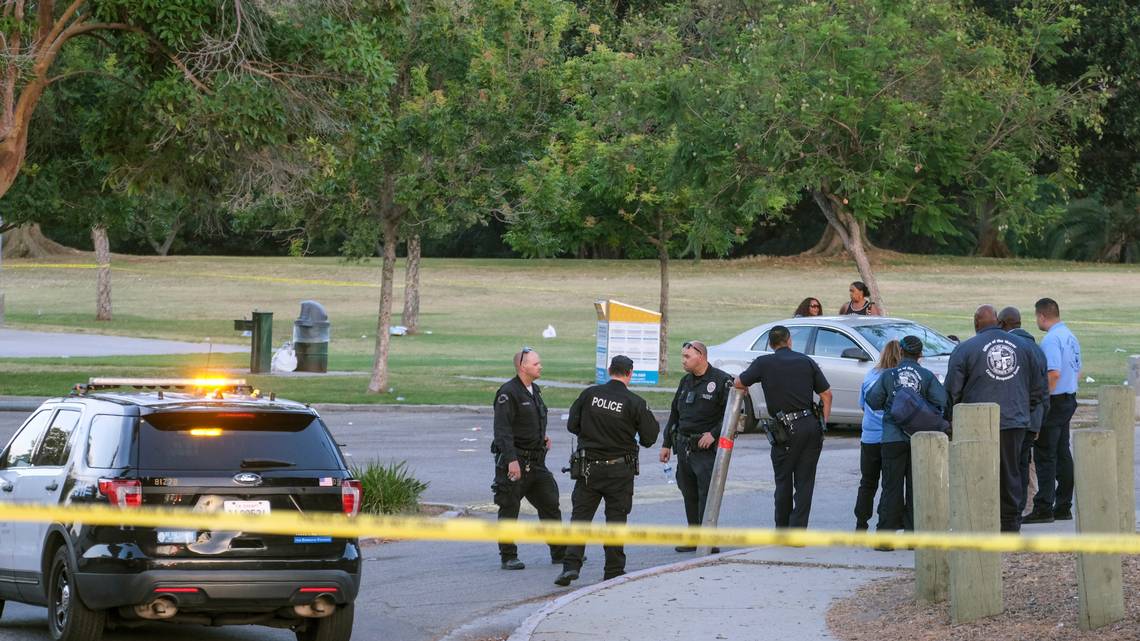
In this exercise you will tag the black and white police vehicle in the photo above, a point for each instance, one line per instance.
(202, 445)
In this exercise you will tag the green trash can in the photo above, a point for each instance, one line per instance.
(311, 338)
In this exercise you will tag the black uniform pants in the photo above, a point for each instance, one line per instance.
(870, 467)
(794, 467)
(1053, 457)
(1009, 478)
(538, 487)
(1025, 458)
(896, 509)
(614, 484)
(694, 474)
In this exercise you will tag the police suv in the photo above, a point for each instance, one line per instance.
(206, 446)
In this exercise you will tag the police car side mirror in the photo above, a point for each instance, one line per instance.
(856, 353)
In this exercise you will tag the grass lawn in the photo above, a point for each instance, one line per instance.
(480, 311)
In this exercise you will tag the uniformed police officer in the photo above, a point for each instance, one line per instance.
(520, 448)
(993, 367)
(694, 427)
(609, 421)
(796, 433)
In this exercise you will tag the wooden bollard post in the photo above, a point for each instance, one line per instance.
(977, 422)
(1099, 582)
(930, 467)
(1116, 410)
(975, 577)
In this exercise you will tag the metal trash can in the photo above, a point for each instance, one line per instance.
(311, 338)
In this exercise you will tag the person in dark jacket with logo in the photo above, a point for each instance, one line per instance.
(1010, 320)
(895, 508)
(694, 427)
(609, 421)
(993, 367)
(789, 380)
(520, 448)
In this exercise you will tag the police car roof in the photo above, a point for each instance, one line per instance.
(186, 400)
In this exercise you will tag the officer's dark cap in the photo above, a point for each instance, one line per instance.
(621, 365)
(911, 345)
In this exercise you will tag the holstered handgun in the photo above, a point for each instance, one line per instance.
(778, 431)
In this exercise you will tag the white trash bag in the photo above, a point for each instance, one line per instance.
(284, 359)
(549, 332)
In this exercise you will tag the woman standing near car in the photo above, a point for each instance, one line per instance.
(809, 307)
(870, 443)
(860, 303)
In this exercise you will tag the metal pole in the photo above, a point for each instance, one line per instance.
(723, 457)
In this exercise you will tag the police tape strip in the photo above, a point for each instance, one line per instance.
(419, 528)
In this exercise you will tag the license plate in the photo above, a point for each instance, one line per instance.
(177, 537)
(246, 507)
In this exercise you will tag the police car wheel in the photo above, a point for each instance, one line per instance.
(749, 424)
(68, 618)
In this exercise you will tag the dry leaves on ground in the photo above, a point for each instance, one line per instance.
(1040, 605)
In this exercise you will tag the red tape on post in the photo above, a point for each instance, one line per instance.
(725, 443)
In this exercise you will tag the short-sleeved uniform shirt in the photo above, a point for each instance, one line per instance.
(788, 379)
(1062, 355)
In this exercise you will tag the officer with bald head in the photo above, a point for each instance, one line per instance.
(994, 367)
(1010, 320)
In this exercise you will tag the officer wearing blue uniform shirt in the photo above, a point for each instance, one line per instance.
(895, 512)
(1010, 320)
(1054, 460)
(789, 379)
(993, 367)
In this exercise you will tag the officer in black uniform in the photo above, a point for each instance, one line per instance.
(796, 431)
(609, 421)
(520, 448)
(694, 427)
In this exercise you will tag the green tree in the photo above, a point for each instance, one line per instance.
(874, 108)
(617, 172)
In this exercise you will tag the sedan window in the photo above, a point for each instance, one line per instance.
(801, 334)
(830, 343)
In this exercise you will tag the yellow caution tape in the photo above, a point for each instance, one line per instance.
(391, 527)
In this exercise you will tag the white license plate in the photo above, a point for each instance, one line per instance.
(176, 537)
(246, 507)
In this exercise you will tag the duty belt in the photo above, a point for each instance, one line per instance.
(789, 417)
(614, 461)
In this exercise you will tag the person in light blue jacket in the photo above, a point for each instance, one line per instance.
(870, 443)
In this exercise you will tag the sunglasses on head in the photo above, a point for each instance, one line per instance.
(694, 345)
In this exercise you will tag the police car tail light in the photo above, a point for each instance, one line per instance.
(351, 493)
(122, 492)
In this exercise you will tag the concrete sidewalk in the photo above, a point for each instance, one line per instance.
(773, 593)
(18, 343)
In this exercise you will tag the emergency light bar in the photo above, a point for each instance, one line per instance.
(212, 384)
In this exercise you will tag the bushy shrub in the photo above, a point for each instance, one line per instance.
(389, 488)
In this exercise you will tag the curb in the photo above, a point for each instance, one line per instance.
(452, 511)
(527, 628)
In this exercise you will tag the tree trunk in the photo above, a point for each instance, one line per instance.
(28, 241)
(103, 277)
(163, 248)
(831, 243)
(411, 316)
(990, 242)
(663, 259)
(378, 384)
(851, 232)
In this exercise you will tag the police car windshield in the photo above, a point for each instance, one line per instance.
(933, 343)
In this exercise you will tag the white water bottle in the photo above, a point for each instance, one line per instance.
(667, 470)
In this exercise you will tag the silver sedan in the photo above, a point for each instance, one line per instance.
(845, 347)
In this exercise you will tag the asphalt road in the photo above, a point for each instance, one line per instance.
(423, 591)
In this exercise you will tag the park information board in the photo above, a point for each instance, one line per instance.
(632, 331)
